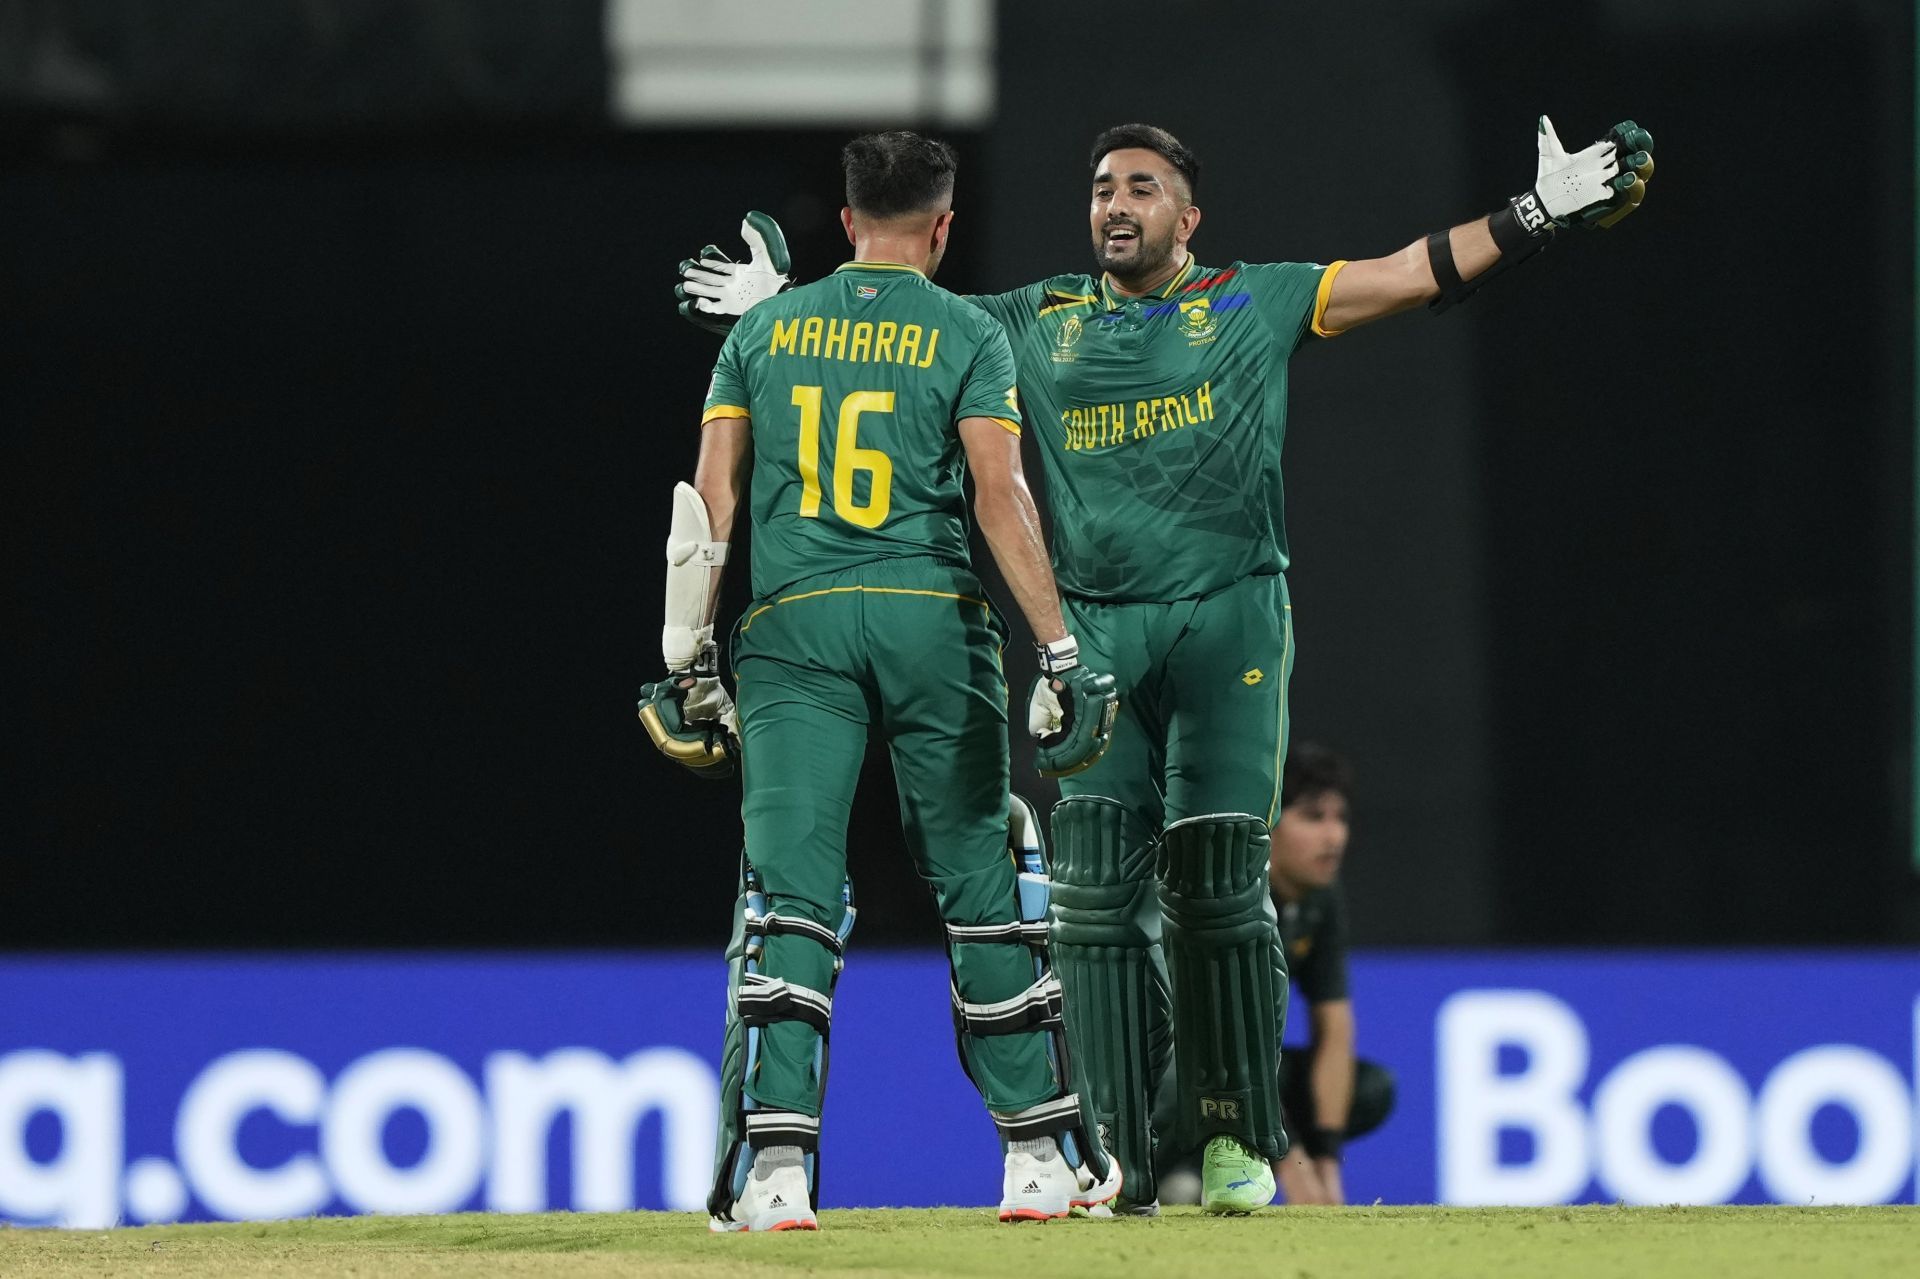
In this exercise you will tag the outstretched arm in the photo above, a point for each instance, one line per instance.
(1592, 189)
(1374, 288)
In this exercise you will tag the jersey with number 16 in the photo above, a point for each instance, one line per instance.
(855, 385)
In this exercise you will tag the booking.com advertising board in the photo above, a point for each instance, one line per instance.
(140, 1090)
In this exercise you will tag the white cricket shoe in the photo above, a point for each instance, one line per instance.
(1092, 1197)
(1036, 1188)
(778, 1201)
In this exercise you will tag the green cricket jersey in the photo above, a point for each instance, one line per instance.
(855, 385)
(1160, 421)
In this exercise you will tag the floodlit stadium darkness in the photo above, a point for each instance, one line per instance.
(344, 396)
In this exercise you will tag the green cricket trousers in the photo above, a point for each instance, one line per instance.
(907, 650)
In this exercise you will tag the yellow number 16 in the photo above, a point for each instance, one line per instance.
(848, 457)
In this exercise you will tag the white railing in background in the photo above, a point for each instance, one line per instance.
(707, 63)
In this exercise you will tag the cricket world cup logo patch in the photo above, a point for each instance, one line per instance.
(1197, 322)
(1065, 340)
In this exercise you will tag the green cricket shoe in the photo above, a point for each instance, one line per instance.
(1234, 1180)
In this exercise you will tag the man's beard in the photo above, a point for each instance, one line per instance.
(1149, 257)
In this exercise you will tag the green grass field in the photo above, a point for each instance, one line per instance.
(1292, 1243)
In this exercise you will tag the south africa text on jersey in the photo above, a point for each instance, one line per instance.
(1100, 426)
(863, 341)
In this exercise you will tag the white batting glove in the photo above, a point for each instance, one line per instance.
(708, 700)
(715, 291)
(693, 656)
(1594, 187)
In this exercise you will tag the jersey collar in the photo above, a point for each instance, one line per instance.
(1115, 299)
(880, 266)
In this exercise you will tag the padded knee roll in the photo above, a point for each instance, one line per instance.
(755, 1001)
(1229, 980)
(1104, 940)
(1039, 1008)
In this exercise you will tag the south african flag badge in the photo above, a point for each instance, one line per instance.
(866, 292)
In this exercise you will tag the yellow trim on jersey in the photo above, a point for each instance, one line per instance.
(1077, 300)
(1007, 423)
(864, 590)
(880, 266)
(724, 410)
(1178, 278)
(1280, 742)
(1320, 297)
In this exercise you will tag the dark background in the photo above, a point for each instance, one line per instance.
(342, 396)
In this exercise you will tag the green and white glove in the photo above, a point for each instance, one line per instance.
(715, 291)
(1591, 189)
(1073, 724)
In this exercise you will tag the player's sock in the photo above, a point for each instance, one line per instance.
(770, 1159)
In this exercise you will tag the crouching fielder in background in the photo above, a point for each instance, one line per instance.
(852, 403)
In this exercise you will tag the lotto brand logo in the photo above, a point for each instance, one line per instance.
(1220, 1108)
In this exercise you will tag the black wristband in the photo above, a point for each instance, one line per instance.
(1519, 231)
(1324, 1143)
(1519, 226)
(1440, 258)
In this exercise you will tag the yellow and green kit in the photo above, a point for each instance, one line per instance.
(867, 621)
(1160, 421)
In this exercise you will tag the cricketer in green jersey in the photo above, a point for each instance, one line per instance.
(846, 413)
(1157, 393)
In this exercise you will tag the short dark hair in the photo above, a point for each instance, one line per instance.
(1148, 137)
(1313, 769)
(889, 174)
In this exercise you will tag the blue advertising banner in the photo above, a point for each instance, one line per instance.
(1695, 1077)
(191, 1088)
